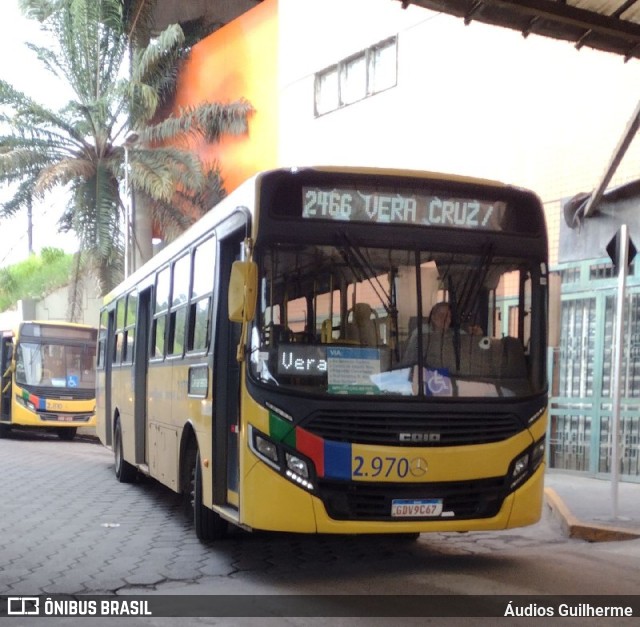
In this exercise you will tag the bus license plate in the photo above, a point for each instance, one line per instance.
(421, 508)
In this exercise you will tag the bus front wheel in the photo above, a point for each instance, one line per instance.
(67, 433)
(125, 472)
(208, 525)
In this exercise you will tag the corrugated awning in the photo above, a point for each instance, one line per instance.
(611, 26)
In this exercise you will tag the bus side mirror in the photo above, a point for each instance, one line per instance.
(243, 291)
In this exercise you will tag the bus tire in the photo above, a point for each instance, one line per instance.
(125, 472)
(4, 431)
(208, 525)
(67, 433)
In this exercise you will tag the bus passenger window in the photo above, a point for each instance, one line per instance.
(158, 331)
(177, 323)
(199, 325)
(157, 336)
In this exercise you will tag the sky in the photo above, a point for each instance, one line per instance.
(20, 68)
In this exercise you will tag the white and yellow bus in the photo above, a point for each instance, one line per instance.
(48, 377)
(276, 364)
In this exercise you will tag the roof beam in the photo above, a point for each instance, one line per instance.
(614, 162)
(550, 18)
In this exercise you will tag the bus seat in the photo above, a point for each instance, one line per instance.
(363, 328)
(278, 334)
(514, 363)
(326, 331)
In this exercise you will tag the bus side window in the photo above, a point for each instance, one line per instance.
(158, 331)
(157, 336)
(102, 340)
(198, 339)
(200, 301)
(120, 333)
(179, 302)
(130, 329)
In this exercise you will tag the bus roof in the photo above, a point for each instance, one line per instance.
(51, 323)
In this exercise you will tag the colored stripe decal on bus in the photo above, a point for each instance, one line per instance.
(38, 402)
(281, 430)
(313, 447)
(337, 460)
(331, 459)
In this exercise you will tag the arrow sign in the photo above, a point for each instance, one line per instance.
(616, 248)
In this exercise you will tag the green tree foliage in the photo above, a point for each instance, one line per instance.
(34, 277)
(117, 95)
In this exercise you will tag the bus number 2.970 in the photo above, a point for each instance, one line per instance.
(396, 467)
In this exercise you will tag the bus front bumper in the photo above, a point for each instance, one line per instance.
(272, 503)
(22, 416)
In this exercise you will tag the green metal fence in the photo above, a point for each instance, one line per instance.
(580, 373)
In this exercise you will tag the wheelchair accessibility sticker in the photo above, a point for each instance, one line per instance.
(437, 382)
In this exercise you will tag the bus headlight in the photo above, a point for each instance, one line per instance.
(26, 403)
(297, 465)
(521, 464)
(537, 453)
(283, 459)
(267, 448)
(527, 463)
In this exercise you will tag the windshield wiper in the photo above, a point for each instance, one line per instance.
(367, 271)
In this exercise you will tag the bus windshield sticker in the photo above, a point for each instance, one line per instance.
(351, 370)
(389, 207)
(394, 382)
(437, 382)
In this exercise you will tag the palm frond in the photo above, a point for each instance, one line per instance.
(21, 199)
(80, 145)
(61, 173)
(208, 121)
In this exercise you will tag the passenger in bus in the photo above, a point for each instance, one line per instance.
(439, 322)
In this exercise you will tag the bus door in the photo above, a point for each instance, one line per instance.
(6, 354)
(226, 381)
(139, 373)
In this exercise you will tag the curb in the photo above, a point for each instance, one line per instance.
(574, 528)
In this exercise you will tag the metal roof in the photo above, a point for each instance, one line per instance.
(608, 25)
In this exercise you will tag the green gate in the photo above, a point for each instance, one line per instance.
(580, 406)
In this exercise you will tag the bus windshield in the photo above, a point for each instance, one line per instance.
(49, 364)
(378, 321)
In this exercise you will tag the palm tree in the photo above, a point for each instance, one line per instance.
(83, 146)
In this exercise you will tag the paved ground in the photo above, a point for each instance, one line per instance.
(68, 527)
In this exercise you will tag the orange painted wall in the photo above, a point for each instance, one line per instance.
(240, 60)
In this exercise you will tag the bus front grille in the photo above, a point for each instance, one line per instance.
(461, 500)
(397, 429)
(64, 417)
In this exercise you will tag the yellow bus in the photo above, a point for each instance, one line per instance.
(48, 377)
(276, 364)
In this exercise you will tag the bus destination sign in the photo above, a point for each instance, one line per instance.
(388, 207)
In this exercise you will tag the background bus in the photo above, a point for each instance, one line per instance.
(48, 377)
(276, 364)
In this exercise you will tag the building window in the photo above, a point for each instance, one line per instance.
(606, 271)
(383, 66)
(361, 75)
(327, 92)
(353, 79)
(570, 275)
